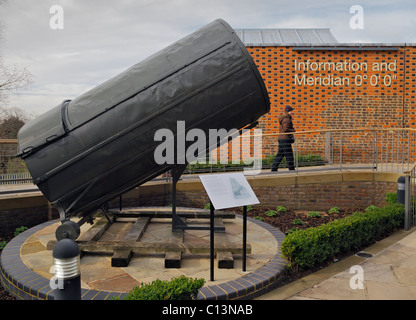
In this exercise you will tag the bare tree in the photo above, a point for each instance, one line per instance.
(12, 78)
(11, 120)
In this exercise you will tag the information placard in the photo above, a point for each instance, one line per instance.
(228, 190)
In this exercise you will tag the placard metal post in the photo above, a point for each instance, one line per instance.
(244, 237)
(212, 253)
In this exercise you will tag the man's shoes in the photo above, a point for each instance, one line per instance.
(274, 170)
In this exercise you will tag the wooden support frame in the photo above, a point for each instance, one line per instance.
(123, 250)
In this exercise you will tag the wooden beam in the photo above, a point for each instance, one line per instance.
(92, 234)
(173, 258)
(122, 257)
(158, 247)
(167, 213)
(139, 227)
(97, 230)
(225, 258)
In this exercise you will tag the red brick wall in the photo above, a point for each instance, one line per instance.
(271, 193)
(345, 195)
(24, 217)
(370, 103)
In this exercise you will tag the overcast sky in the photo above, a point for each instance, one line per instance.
(101, 38)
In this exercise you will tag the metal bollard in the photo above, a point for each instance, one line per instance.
(67, 270)
(401, 182)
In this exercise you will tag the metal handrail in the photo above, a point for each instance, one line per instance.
(8, 141)
(388, 149)
(410, 171)
(287, 133)
(335, 130)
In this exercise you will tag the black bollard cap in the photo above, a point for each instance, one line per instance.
(65, 248)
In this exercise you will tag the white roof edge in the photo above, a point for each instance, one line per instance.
(252, 37)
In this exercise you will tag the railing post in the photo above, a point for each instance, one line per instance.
(296, 155)
(374, 151)
(328, 144)
(340, 152)
(407, 204)
(377, 160)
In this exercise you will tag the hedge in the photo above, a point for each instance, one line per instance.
(180, 288)
(306, 248)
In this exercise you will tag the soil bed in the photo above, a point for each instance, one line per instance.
(300, 219)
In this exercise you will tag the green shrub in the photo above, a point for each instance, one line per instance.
(371, 208)
(19, 230)
(271, 213)
(249, 208)
(314, 214)
(180, 288)
(294, 229)
(2, 244)
(391, 198)
(334, 210)
(306, 248)
(281, 209)
(298, 222)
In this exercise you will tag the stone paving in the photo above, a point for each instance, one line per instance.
(390, 274)
(28, 253)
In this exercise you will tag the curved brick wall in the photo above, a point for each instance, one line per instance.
(319, 191)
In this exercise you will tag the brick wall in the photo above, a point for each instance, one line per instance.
(369, 99)
(345, 195)
(310, 192)
(11, 219)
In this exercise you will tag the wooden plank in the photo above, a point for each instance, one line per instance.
(192, 214)
(122, 257)
(158, 247)
(134, 246)
(139, 227)
(225, 258)
(173, 258)
(97, 230)
(219, 226)
(92, 234)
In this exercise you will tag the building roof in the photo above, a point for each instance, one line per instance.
(279, 37)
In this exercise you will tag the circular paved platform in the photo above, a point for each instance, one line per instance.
(26, 263)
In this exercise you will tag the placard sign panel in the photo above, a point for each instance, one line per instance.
(228, 190)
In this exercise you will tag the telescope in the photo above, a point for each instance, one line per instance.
(85, 152)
